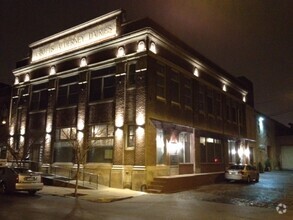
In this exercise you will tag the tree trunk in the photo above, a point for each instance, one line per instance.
(77, 178)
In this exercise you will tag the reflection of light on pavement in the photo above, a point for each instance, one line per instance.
(281, 208)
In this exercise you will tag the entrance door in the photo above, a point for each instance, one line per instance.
(286, 157)
(35, 156)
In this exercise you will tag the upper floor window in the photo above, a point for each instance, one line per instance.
(23, 94)
(218, 105)
(234, 113)
(210, 102)
(175, 87)
(102, 84)
(240, 116)
(188, 93)
(228, 110)
(161, 81)
(131, 74)
(201, 97)
(68, 91)
(131, 136)
(39, 97)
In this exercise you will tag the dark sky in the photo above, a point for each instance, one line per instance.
(251, 38)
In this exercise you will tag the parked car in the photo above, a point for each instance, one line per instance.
(19, 179)
(242, 172)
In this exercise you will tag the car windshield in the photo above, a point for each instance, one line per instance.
(21, 170)
(236, 167)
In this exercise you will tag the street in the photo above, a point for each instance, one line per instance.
(273, 188)
(218, 201)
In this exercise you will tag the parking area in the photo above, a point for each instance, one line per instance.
(273, 188)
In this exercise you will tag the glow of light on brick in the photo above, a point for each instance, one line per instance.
(83, 62)
(153, 48)
(52, 70)
(195, 72)
(120, 52)
(141, 46)
(119, 121)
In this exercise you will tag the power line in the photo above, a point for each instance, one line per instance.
(280, 113)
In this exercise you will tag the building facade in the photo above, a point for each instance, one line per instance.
(138, 101)
(5, 91)
(274, 143)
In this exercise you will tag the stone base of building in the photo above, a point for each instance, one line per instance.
(118, 176)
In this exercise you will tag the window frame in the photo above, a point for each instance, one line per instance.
(188, 94)
(174, 87)
(98, 86)
(131, 75)
(70, 96)
(98, 144)
(211, 146)
(131, 137)
(161, 84)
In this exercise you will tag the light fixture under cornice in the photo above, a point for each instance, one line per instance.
(52, 70)
(120, 52)
(141, 46)
(27, 77)
(83, 62)
(195, 72)
(224, 88)
(153, 47)
(16, 81)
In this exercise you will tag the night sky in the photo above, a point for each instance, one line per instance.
(251, 38)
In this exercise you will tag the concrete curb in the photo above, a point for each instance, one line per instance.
(105, 195)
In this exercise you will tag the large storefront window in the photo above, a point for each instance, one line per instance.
(184, 152)
(175, 144)
(240, 152)
(211, 150)
(101, 144)
(161, 148)
(64, 145)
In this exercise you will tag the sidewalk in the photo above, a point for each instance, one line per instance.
(102, 194)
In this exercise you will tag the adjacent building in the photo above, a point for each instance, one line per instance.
(138, 101)
(274, 143)
(5, 91)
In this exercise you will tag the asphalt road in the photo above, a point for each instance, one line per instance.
(207, 202)
(272, 189)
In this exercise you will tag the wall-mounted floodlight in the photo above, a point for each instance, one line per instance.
(83, 62)
(153, 47)
(52, 70)
(195, 72)
(120, 52)
(141, 46)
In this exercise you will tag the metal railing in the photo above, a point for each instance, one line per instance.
(70, 173)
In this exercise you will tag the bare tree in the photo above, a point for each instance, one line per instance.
(80, 149)
(21, 150)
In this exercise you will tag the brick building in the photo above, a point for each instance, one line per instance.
(141, 103)
(5, 91)
(274, 143)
